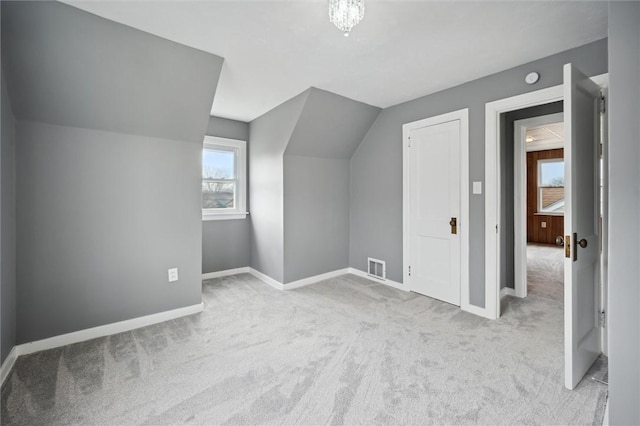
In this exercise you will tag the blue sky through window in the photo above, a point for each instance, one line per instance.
(551, 173)
(217, 164)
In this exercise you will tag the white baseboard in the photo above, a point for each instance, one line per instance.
(8, 363)
(321, 277)
(506, 291)
(95, 332)
(225, 273)
(266, 279)
(388, 282)
(476, 310)
(302, 282)
(316, 278)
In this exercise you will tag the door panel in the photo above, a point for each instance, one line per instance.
(434, 199)
(582, 331)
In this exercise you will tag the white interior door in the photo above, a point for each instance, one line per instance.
(581, 282)
(434, 207)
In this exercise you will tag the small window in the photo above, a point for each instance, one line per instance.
(223, 179)
(551, 186)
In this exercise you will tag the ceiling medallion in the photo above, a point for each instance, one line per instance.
(346, 14)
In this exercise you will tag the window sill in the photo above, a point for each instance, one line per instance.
(224, 216)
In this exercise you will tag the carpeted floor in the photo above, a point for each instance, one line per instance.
(344, 351)
(545, 271)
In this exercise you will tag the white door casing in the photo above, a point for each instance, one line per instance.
(435, 191)
(493, 110)
(581, 223)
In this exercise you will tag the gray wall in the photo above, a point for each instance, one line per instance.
(624, 213)
(376, 167)
(101, 217)
(316, 183)
(226, 244)
(300, 183)
(316, 216)
(7, 227)
(270, 134)
(507, 274)
(109, 145)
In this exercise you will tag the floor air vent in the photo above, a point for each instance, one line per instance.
(377, 268)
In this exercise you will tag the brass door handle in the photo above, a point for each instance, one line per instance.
(559, 240)
(582, 243)
(454, 225)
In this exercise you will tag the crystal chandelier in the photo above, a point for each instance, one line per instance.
(346, 14)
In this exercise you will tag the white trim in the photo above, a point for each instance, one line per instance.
(208, 215)
(387, 281)
(492, 179)
(507, 291)
(520, 196)
(266, 279)
(239, 147)
(321, 277)
(225, 273)
(93, 333)
(604, 267)
(315, 279)
(463, 116)
(476, 310)
(8, 363)
(107, 329)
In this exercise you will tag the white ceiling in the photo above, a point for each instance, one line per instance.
(546, 133)
(402, 50)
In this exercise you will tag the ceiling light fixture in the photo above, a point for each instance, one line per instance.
(346, 14)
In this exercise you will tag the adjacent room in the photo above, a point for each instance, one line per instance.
(320, 212)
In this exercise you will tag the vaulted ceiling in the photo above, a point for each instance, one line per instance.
(402, 50)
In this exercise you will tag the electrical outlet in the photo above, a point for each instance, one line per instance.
(543, 224)
(173, 275)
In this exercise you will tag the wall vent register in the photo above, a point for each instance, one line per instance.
(377, 268)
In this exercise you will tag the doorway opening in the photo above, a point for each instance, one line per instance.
(584, 258)
(535, 136)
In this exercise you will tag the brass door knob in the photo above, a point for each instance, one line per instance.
(559, 240)
(454, 225)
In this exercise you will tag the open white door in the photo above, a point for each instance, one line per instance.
(581, 275)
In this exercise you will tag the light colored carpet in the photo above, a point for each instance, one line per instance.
(344, 351)
(545, 271)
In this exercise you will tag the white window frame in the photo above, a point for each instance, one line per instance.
(540, 210)
(240, 148)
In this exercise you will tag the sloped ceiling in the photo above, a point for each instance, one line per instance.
(68, 67)
(402, 50)
(330, 126)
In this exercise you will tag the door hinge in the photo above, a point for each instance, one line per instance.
(496, 229)
(409, 141)
(409, 270)
(603, 104)
(603, 319)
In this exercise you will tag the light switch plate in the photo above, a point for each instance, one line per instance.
(543, 224)
(477, 187)
(173, 275)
